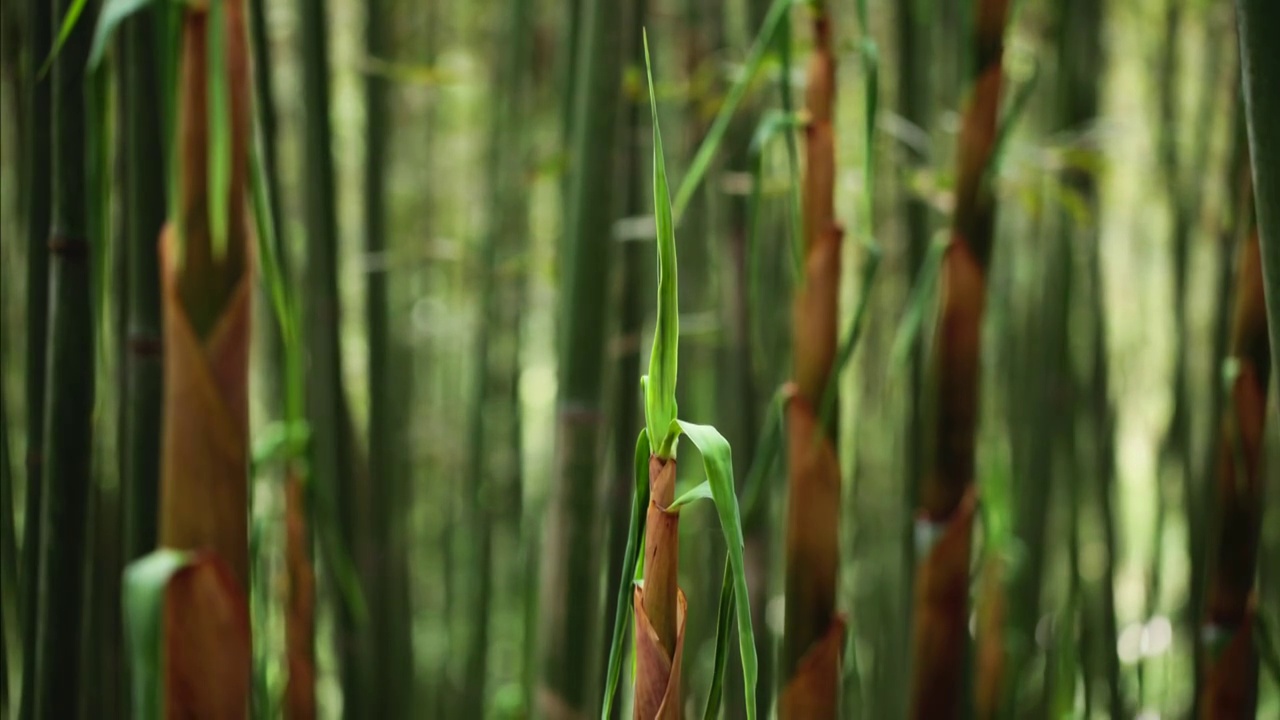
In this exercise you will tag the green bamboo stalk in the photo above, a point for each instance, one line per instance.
(144, 216)
(570, 583)
(916, 58)
(1260, 63)
(332, 458)
(10, 587)
(496, 356)
(391, 634)
(38, 201)
(70, 388)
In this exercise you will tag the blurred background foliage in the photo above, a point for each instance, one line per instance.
(479, 148)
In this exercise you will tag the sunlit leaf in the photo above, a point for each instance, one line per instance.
(701, 491)
(64, 32)
(112, 14)
(145, 581)
(660, 390)
(717, 462)
(635, 549)
(920, 300)
(219, 129)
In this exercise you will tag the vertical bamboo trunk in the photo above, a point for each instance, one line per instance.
(495, 466)
(332, 457)
(947, 491)
(1229, 661)
(37, 210)
(915, 64)
(625, 350)
(10, 587)
(206, 312)
(144, 210)
(740, 390)
(813, 633)
(391, 690)
(568, 680)
(69, 392)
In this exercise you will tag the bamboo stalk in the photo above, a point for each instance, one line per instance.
(37, 177)
(813, 632)
(68, 434)
(567, 677)
(947, 497)
(144, 197)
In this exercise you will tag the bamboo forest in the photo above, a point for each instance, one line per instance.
(639, 359)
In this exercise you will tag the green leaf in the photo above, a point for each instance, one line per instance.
(701, 491)
(660, 389)
(219, 129)
(145, 580)
(856, 323)
(1267, 652)
(717, 462)
(921, 294)
(64, 32)
(635, 548)
(715, 135)
(113, 13)
(1016, 108)
(724, 617)
(774, 123)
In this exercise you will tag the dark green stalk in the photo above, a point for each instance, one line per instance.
(70, 389)
(144, 216)
(494, 468)
(391, 634)
(10, 588)
(332, 459)
(632, 265)
(915, 94)
(1260, 63)
(38, 199)
(570, 586)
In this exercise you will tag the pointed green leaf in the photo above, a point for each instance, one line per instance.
(715, 135)
(64, 31)
(724, 618)
(717, 462)
(145, 580)
(635, 548)
(219, 129)
(113, 13)
(701, 491)
(660, 393)
(921, 293)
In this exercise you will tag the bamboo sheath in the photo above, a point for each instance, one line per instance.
(659, 604)
(814, 633)
(1230, 660)
(948, 500)
(207, 309)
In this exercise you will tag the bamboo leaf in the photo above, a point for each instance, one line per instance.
(219, 129)
(717, 462)
(707, 150)
(112, 14)
(1267, 646)
(635, 546)
(724, 617)
(68, 25)
(853, 334)
(701, 491)
(660, 389)
(774, 123)
(921, 293)
(1016, 108)
(145, 581)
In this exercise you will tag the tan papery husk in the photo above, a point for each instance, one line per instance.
(657, 689)
(814, 688)
(207, 660)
